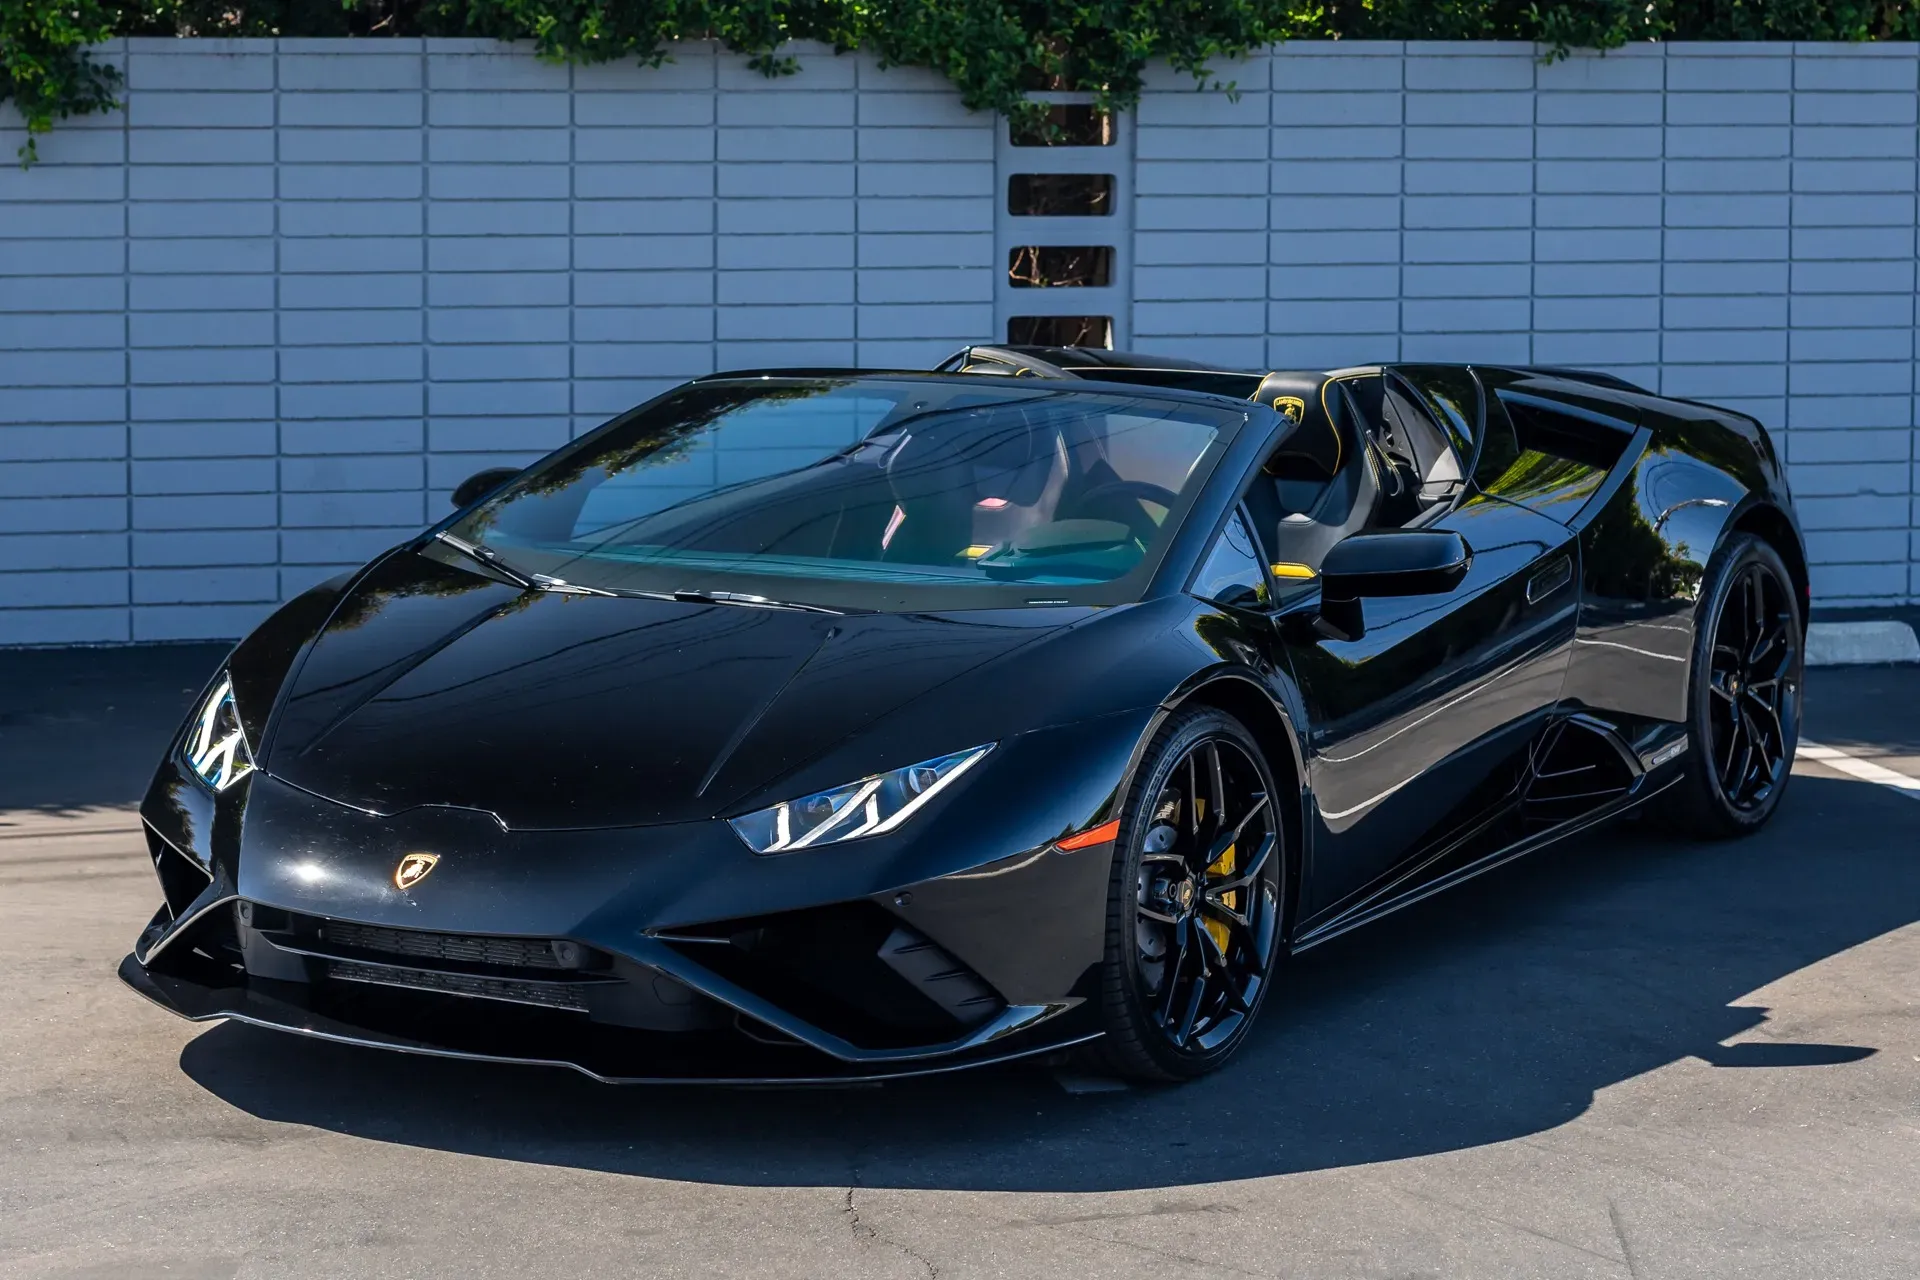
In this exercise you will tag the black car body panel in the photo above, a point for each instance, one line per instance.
(1407, 718)
(572, 758)
(579, 711)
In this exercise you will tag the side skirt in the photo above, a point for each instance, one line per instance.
(1367, 912)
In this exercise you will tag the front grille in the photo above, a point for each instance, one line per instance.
(546, 995)
(511, 953)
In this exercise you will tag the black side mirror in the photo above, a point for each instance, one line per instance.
(481, 483)
(1407, 562)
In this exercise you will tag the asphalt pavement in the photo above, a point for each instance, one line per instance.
(1628, 1056)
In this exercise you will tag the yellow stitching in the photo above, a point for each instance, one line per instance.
(1338, 451)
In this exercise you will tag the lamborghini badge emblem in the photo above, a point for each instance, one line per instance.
(413, 869)
(1292, 408)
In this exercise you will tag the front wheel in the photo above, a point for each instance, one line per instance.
(1194, 903)
(1743, 719)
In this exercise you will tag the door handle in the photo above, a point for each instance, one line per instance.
(1550, 579)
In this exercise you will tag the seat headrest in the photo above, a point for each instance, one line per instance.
(1005, 361)
(989, 452)
(1311, 405)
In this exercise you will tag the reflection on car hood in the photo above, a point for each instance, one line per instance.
(432, 685)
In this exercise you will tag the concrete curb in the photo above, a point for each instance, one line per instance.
(1847, 644)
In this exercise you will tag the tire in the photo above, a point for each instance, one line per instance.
(1743, 694)
(1213, 916)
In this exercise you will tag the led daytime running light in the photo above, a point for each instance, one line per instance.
(217, 750)
(870, 807)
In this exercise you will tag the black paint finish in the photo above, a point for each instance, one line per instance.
(572, 759)
(1440, 690)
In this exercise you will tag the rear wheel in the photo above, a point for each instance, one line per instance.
(1194, 905)
(1744, 703)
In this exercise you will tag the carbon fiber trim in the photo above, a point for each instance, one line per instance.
(544, 995)
(197, 1002)
(511, 953)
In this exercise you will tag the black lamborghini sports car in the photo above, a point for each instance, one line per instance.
(823, 724)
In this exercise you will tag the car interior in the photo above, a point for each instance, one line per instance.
(945, 485)
(1365, 454)
(1025, 484)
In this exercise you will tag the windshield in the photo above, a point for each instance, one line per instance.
(865, 493)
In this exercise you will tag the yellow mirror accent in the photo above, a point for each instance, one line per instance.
(1296, 571)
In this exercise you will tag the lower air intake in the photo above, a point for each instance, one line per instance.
(512, 953)
(849, 968)
(545, 995)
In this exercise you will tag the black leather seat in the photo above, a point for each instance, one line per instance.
(960, 489)
(1418, 468)
(1319, 483)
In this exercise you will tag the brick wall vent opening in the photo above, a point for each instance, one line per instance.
(1067, 124)
(1060, 331)
(1054, 266)
(1060, 195)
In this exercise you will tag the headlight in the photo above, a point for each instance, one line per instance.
(869, 807)
(217, 749)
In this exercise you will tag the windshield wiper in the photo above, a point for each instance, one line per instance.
(547, 582)
(493, 560)
(537, 581)
(755, 602)
(490, 558)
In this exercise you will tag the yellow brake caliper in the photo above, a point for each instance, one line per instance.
(1231, 899)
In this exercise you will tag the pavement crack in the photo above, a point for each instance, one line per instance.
(1620, 1233)
(1521, 1227)
(1163, 1210)
(1173, 1256)
(865, 1233)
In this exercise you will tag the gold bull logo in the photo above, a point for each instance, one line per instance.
(413, 869)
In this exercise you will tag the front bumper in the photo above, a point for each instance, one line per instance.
(703, 962)
(611, 1056)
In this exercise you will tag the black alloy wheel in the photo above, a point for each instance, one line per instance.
(1195, 905)
(1752, 680)
(1745, 721)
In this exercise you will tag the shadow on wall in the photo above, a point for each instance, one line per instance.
(81, 728)
(1484, 1015)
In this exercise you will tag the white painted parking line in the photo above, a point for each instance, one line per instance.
(1865, 770)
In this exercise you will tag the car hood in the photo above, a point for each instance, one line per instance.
(431, 685)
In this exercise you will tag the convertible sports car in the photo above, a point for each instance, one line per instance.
(820, 724)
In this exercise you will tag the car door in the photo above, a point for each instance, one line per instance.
(1418, 724)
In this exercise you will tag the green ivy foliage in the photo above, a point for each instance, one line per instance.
(996, 52)
(44, 70)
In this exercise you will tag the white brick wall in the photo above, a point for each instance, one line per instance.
(254, 328)
(1731, 222)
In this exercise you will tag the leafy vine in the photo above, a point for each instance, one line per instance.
(995, 52)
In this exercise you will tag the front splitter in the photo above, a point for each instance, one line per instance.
(754, 1063)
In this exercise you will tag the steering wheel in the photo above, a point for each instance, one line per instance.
(1120, 500)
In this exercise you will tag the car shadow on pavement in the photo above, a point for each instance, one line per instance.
(1487, 1014)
